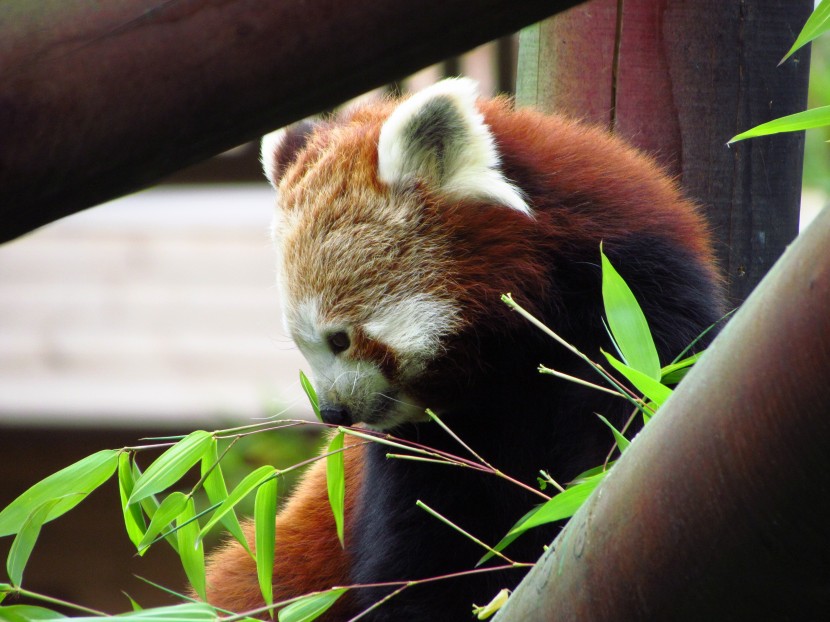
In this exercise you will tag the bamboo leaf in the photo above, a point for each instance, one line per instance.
(808, 119)
(191, 551)
(81, 478)
(305, 383)
(171, 466)
(564, 505)
(591, 473)
(25, 539)
(622, 442)
(249, 482)
(187, 612)
(336, 481)
(674, 373)
(509, 538)
(217, 492)
(172, 506)
(265, 515)
(627, 322)
(150, 505)
(650, 388)
(311, 607)
(133, 603)
(28, 613)
(133, 518)
(817, 24)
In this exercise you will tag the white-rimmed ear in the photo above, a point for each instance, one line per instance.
(268, 154)
(280, 148)
(439, 137)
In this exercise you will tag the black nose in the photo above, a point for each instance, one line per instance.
(336, 415)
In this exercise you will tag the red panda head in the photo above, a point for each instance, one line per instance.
(389, 227)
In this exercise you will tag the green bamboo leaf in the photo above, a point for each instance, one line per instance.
(133, 518)
(150, 505)
(564, 505)
(817, 24)
(249, 482)
(603, 468)
(187, 612)
(217, 492)
(25, 539)
(191, 552)
(310, 607)
(171, 466)
(133, 603)
(622, 442)
(336, 480)
(627, 322)
(305, 383)
(28, 613)
(265, 515)
(808, 119)
(674, 373)
(508, 539)
(81, 478)
(650, 388)
(172, 506)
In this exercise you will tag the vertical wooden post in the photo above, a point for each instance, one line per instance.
(678, 79)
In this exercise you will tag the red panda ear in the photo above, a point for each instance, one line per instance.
(280, 148)
(439, 137)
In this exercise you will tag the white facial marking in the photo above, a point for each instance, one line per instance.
(439, 132)
(414, 325)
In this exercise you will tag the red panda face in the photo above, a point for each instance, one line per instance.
(367, 263)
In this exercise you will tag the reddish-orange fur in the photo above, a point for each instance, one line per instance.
(308, 554)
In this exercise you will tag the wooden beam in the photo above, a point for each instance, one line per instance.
(103, 97)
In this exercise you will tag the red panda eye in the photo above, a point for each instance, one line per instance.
(339, 341)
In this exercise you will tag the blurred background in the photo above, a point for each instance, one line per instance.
(157, 314)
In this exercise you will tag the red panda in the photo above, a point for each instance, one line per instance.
(399, 225)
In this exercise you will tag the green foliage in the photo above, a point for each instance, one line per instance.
(817, 24)
(71, 485)
(25, 540)
(305, 383)
(336, 482)
(188, 612)
(808, 119)
(627, 322)
(310, 607)
(217, 492)
(191, 549)
(171, 466)
(28, 613)
(265, 515)
(251, 482)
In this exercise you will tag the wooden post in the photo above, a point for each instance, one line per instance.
(678, 79)
(103, 97)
